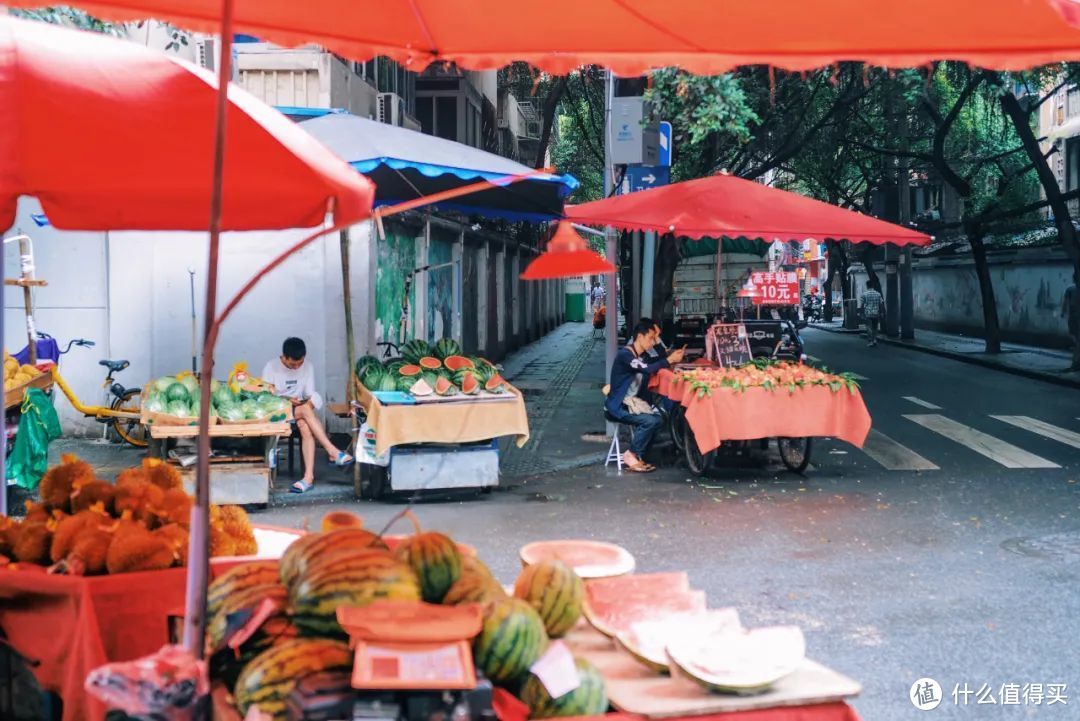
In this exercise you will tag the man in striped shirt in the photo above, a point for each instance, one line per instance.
(872, 303)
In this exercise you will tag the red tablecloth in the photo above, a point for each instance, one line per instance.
(730, 415)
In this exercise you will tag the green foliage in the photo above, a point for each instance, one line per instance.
(72, 17)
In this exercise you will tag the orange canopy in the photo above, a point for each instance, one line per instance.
(727, 206)
(110, 135)
(631, 36)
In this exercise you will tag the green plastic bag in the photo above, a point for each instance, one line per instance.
(38, 426)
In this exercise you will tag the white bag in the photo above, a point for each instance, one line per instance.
(365, 447)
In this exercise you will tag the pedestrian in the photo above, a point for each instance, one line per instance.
(1068, 311)
(629, 382)
(872, 303)
(597, 296)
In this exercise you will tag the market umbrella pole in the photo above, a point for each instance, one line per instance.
(199, 550)
(194, 325)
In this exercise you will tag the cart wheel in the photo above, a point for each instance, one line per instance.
(130, 431)
(698, 462)
(677, 427)
(374, 480)
(794, 452)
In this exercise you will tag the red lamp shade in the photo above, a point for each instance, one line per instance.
(567, 256)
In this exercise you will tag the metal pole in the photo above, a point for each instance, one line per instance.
(635, 254)
(199, 547)
(647, 271)
(194, 324)
(892, 293)
(612, 319)
(26, 272)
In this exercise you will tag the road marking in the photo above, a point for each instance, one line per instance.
(894, 456)
(1070, 438)
(995, 449)
(921, 402)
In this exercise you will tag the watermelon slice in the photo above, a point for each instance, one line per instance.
(647, 641)
(421, 388)
(430, 363)
(458, 362)
(495, 384)
(409, 370)
(740, 662)
(444, 387)
(613, 604)
(469, 384)
(589, 559)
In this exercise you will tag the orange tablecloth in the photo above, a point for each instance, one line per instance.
(730, 415)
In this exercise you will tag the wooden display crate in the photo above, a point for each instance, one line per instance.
(13, 397)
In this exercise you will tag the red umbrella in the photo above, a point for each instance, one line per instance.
(728, 206)
(567, 256)
(110, 135)
(631, 36)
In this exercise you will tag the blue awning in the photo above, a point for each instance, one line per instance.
(405, 164)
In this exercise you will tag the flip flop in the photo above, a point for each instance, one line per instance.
(639, 468)
(343, 459)
(301, 487)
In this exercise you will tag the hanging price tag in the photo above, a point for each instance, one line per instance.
(556, 670)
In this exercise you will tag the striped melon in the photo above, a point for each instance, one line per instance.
(236, 578)
(244, 599)
(555, 591)
(511, 640)
(226, 665)
(473, 587)
(301, 551)
(348, 581)
(436, 560)
(445, 348)
(588, 699)
(271, 676)
(414, 350)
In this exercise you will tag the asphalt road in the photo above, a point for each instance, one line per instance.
(967, 572)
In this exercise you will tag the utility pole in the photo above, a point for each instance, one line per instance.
(648, 265)
(612, 318)
(907, 291)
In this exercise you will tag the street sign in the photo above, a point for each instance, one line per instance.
(643, 177)
(665, 147)
(779, 288)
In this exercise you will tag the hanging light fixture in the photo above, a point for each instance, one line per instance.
(567, 256)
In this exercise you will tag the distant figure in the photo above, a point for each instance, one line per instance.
(1068, 311)
(597, 296)
(872, 303)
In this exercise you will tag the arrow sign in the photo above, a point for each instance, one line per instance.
(643, 177)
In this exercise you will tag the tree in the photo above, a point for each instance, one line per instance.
(72, 17)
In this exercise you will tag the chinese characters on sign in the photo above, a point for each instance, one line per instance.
(926, 694)
(727, 344)
(779, 288)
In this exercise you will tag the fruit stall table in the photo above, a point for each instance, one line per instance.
(241, 479)
(447, 433)
(13, 397)
(70, 625)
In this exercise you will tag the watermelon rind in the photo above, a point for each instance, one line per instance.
(435, 559)
(588, 699)
(646, 641)
(495, 384)
(410, 369)
(468, 383)
(555, 591)
(365, 362)
(457, 363)
(445, 348)
(430, 363)
(414, 350)
(270, 677)
(744, 663)
(510, 641)
(444, 387)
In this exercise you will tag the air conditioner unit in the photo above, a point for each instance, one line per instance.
(206, 53)
(391, 109)
(533, 128)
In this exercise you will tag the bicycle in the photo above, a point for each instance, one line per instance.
(124, 414)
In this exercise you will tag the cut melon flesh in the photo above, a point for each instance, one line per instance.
(589, 559)
(612, 618)
(647, 641)
(421, 388)
(742, 662)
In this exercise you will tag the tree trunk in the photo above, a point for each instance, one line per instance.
(1062, 218)
(551, 104)
(667, 260)
(991, 326)
(834, 261)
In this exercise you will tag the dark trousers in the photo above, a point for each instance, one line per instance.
(645, 427)
(871, 329)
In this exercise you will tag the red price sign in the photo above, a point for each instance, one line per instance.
(779, 288)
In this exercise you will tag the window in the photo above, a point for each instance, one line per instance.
(425, 115)
(1072, 102)
(446, 125)
(1072, 163)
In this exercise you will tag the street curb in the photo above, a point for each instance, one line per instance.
(831, 329)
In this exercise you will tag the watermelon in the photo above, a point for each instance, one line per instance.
(421, 388)
(270, 677)
(473, 587)
(611, 609)
(589, 559)
(191, 383)
(740, 662)
(588, 699)
(510, 641)
(223, 396)
(405, 383)
(484, 368)
(373, 376)
(180, 409)
(436, 560)
(647, 640)
(443, 387)
(555, 591)
(177, 392)
(305, 550)
(495, 384)
(387, 383)
(468, 383)
(154, 403)
(394, 365)
(227, 664)
(348, 580)
(162, 384)
(414, 350)
(365, 362)
(237, 578)
(245, 599)
(409, 370)
(430, 363)
(446, 347)
(457, 362)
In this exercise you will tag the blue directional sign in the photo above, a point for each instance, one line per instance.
(643, 177)
(664, 151)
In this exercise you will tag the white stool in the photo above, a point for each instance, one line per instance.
(614, 454)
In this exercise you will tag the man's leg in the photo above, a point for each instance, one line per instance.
(645, 426)
(871, 330)
(307, 450)
(315, 426)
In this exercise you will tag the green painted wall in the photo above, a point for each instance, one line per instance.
(396, 258)
(440, 290)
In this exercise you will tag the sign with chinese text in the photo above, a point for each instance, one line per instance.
(727, 344)
(776, 288)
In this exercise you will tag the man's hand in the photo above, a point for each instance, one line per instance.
(676, 356)
(298, 402)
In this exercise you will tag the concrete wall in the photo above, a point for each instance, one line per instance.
(1029, 287)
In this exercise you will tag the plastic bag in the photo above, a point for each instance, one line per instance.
(365, 447)
(38, 426)
(169, 685)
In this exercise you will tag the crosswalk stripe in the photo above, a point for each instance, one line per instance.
(894, 456)
(921, 402)
(1043, 428)
(995, 449)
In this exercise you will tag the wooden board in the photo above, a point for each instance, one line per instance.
(15, 396)
(632, 688)
(222, 431)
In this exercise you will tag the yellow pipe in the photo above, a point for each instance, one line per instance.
(94, 411)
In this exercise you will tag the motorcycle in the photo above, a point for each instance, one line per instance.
(813, 308)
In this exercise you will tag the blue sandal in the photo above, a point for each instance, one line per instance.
(301, 487)
(343, 459)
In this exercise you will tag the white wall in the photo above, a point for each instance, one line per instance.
(129, 292)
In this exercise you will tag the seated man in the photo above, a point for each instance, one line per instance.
(294, 379)
(629, 383)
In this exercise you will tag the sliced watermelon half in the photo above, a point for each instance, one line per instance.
(458, 362)
(647, 641)
(495, 384)
(444, 387)
(589, 559)
(430, 363)
(409, 370)
(421, 388)
(739, 662)
(469, 384)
